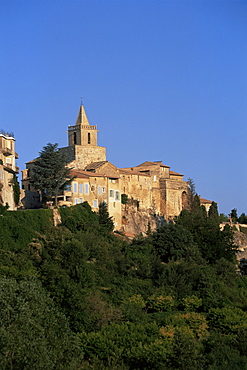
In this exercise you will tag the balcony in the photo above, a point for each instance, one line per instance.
(10, 168)
(6, 151)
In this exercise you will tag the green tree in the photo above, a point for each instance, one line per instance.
(104, 219)
(192, 191)
(16, 190)
(213, 212)
(242, 218)
(34, 334)
(234, 215)
(174, 242)
(50, 173)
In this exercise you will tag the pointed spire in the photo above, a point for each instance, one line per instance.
(82, 117)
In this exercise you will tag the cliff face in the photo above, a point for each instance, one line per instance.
(137, 221)
(240, 240)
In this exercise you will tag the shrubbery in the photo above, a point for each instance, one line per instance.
(79, 297)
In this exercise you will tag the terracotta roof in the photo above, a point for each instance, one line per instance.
(85, 174)
(128, 171)
(175, 173)
(148, 163)
(94, 165)
(202, 200)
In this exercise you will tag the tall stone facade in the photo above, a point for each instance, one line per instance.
(82, 146)
(153, 192)
(8, 169)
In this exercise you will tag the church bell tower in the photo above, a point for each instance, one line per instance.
(82, 146)
(82, 133)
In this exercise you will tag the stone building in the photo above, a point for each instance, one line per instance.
(152, 189)
(8, 168)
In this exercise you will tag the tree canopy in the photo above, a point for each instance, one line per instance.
(78, 296)
(50, 173)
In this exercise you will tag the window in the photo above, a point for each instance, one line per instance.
(76, 200)
(111, 193)
(80, 188)
(95, 203)
(81, 200)
(74, 137)
(155, 178)
(68, 188)
(99, 189)
(112, 181)
(75, 187)
(103, 189)
(117, 195)
(86, 188)
(88, 138)
(92, 188)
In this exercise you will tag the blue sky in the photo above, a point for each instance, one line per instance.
(163, 80)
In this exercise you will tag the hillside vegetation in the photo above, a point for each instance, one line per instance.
(78, 296)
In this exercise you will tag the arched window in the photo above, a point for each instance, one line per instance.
(74, 137)
(88, 138)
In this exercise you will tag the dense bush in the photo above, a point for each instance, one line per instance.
(81, 297)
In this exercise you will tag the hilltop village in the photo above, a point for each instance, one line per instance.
(136, 196)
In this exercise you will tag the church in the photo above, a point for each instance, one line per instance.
(140, 194)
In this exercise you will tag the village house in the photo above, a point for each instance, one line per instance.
(8, 168)
(151, 186)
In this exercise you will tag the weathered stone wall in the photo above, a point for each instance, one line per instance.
(137, 221)
(172, 197)
(80, 156)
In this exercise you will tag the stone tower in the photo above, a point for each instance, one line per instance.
(82, 133)
(82, 146)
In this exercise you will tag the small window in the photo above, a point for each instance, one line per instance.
(68, 188)
(95, 203)
(88, 138)
(86, 188)
(74, 137)
(81, 200)
(92, 188)
(117, 195)
(80, 188)
(103, 189)
(75, 187)
(76, 201)
(111, 193)
(99, 189)
(155, 178)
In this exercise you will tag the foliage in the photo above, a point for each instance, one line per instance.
(50, 174)
(34, 335)
(223, 218)
(242, 218)
(104, 219)
(233, 215)
(173, 242)
(213, 212)
(170, 300)
(124, 198)
(3, 209)
(16, 190)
